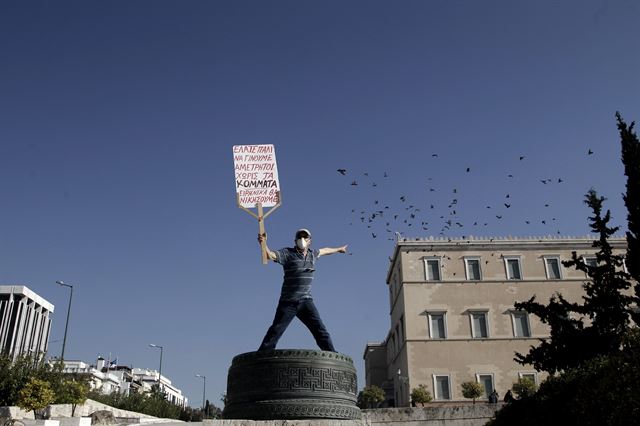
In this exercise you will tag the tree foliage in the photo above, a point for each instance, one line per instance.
(603, 391)
(73, 392)
(15, 374)
(370, 397)
(524, 387)
(472, 390)
(35, 395)
(421, 395)
(602, 387)
(631, 160)
(153, 403)
(582, 331)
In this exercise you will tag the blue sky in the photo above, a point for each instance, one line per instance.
(117, 121)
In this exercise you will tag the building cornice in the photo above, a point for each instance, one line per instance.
(22, 290)
(495, 243)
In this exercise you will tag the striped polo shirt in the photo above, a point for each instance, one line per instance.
(298, 273)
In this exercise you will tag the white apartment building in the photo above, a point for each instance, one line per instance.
(452, 311)
(124, 379)
(25, 321)
(148, 378)
(104, 381)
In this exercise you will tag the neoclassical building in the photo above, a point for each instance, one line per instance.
(452, 311)
(25, 321)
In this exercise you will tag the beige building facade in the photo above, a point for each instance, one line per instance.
(452, 311)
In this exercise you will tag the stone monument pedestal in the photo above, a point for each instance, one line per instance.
(287, 384)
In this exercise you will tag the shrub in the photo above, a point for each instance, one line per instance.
(36, 395)
(524, 387)
(472, 390)
(73, 392)
(370, 397)
(421, 395)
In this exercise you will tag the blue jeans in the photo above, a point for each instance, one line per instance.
(304, 309)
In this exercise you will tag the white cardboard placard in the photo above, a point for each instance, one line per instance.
(256, 174)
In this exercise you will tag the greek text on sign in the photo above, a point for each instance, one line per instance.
(256, 175)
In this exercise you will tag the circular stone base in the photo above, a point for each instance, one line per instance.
(291, 384)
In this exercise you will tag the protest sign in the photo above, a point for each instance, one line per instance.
(257, 183)
(256, 174)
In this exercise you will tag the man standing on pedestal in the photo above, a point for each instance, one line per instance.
(295, 298)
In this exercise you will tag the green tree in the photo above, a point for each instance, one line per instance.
(631, 161)
(603, 389)
(421, 395)
(472, 390)
(606, 305)
(524, 387)
(73, 392)
(370, 397)
(36, 395)
(15, 374)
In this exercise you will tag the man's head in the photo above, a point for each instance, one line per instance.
(303, 233)
(303, 238)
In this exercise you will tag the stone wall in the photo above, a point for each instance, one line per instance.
(64, 410)
(450, 414)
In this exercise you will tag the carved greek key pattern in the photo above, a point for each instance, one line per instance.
(278, 378)
(289, 384)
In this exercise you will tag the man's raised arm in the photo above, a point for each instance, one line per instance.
(270, 254)
(331, 250)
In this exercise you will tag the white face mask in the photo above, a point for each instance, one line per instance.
(302, 243)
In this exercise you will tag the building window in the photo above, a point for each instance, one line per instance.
(441, 386)
(529, 375)
(437, 325)
(486, 380)
(520, 322)
(432, 267)
(479, 325)
(472, 268)
(512, 264)
(591, 261)
(393, 345)
(552, 266)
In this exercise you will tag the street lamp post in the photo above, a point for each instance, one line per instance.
(204, 391)
(159, 372)
(66, 326)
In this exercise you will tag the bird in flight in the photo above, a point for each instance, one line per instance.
(589, 152)
(342, 171)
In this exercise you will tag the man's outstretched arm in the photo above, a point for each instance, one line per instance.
(270, 253)
(331, 250)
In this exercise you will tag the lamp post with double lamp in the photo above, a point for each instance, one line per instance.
(204, 392)
(66, 326)
(159, 372)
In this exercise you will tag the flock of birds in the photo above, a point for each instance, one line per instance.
(388, 216)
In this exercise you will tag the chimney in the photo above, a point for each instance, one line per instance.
(101, 364)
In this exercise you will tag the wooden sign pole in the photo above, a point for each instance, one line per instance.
(261, 216)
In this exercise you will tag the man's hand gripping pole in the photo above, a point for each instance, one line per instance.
(261, 217)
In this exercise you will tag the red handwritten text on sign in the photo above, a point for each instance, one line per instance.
(256, 174)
